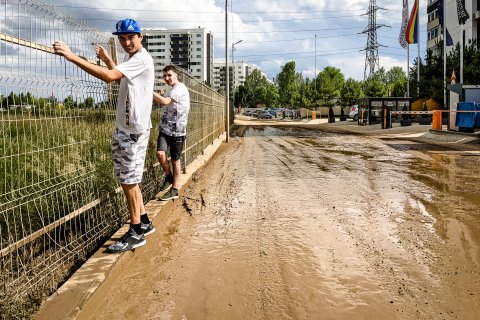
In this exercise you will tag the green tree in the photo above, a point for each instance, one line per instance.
(351, 91)
(89, 103)
(272, 95)
(374, 87)
(241, 96)
(12, 99)
(288, 86)
(255, 90)
(69, 102)
(431, 78)
(396, 82)
(307, 93)
(329, 84)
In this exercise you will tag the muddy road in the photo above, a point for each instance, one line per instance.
(290, 223)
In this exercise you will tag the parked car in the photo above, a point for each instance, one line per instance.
(264, 115)
(273, 113)
(354, 112)
(249, 113)
(257, 112)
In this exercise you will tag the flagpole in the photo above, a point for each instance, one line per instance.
(444, 56)
(418, 42)
(408, 64)
(461, 53)
(408, 70)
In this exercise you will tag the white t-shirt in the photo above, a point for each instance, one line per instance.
(175, 115)
(135, 97)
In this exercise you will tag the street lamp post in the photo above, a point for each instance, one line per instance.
(227, 79)
(233, 66)
(315, 75)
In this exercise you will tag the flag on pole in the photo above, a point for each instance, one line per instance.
(403, 28)
(461, 12)
(448, 37)
(411, 33)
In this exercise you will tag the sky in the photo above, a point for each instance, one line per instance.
(313, 33)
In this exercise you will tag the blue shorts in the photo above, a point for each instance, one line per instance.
(174, 143)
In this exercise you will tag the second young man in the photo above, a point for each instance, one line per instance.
(173, 129)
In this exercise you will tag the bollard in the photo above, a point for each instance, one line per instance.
(437, 120)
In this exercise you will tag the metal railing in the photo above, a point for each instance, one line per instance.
(59, 200)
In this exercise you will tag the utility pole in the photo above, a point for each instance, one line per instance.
(315, 75)
(371, 49)
(227, 76)
(234, 71)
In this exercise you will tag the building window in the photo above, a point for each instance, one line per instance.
(156, 37)
(433, 15)
(199, 49)
(433, 33)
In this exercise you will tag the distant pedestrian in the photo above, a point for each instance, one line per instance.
(134, 106)
(173, 130)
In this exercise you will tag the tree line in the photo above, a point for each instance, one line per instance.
(27, 99)
(291, 90)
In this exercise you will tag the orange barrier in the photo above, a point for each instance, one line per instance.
(437, 120)
(314, 115)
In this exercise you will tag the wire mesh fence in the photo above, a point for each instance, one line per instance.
(59, 200)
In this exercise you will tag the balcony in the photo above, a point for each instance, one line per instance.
(432, 2)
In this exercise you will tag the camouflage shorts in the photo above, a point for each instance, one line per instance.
(128, 153)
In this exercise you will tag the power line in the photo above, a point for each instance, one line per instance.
(305, 57)
(304, 30)
(292, 53)
(212, 12)
(303, 39)
(237, 21)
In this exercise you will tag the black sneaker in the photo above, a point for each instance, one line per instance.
(128, 241)
(167, 183)
(147, 228)
(171, 194)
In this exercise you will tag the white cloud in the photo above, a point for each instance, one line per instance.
(272, 32)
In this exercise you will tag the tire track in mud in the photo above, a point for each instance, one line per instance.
(301, 169)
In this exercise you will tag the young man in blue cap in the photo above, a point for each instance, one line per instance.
(134, 106)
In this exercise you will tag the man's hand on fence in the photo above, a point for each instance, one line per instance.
(102, 54)
(60, 48)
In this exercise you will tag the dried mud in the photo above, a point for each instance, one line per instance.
(289, 223)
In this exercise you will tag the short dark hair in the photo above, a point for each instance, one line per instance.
(170, 68)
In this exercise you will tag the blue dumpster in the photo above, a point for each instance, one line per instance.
(466, 120)
(477, 116)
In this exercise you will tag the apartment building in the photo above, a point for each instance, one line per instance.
(435, 31)
(189, 49)
(239, 71)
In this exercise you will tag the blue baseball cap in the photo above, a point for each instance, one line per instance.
(127, 26)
